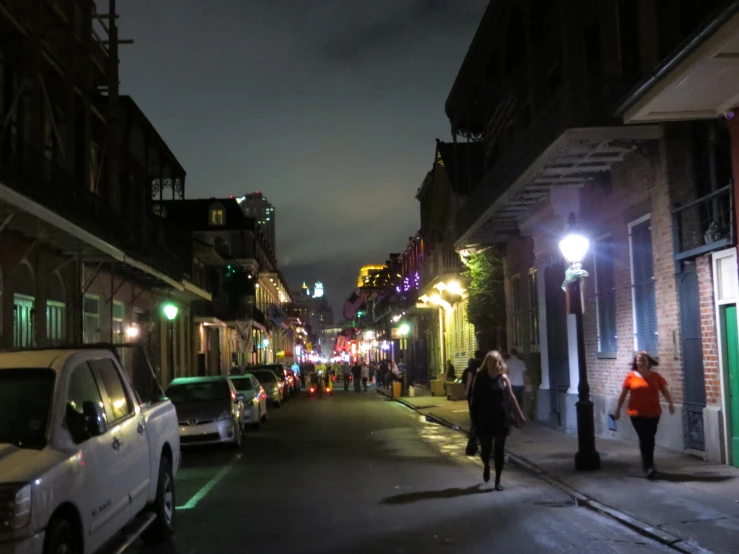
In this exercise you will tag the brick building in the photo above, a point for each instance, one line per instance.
(539, 88)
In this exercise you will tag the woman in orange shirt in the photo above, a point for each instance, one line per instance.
(644, 408)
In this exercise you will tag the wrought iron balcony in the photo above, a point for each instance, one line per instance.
(704, 225)
(148, 239)
(441, 261)
(583, 104)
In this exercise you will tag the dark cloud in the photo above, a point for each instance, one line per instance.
(330, 107)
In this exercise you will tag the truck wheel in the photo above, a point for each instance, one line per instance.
(164, 506)
(60, 538)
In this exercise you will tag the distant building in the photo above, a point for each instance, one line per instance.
(256, 205)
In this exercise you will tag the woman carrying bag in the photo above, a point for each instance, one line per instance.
(494, 410)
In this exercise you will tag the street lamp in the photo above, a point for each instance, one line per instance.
(404, 329)
(574, 247)
(170, 312)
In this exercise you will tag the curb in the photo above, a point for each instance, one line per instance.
(641, 527)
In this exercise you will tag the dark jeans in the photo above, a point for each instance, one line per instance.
(646, 428)
(364, 383)
(518, 393)
(486, 447)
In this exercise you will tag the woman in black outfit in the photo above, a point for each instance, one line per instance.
(489, 413)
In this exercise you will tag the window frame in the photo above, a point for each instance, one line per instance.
(600, 352)
(85, 314)
(217, 215)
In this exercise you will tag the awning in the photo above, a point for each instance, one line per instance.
(700, 81)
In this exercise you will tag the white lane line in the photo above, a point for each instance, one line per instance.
(198, 496)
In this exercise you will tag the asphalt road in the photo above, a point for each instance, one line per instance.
(359, 473)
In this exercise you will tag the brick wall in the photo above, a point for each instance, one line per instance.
(638, 186)
(708, 330)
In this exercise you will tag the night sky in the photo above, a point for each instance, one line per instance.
(330, 107)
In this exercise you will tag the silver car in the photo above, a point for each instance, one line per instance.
(210, 410)
(255, 402)
(272, 385)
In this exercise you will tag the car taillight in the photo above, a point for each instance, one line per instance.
(312, 389)
(328, 389)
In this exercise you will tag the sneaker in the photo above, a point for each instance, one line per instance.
(486, 474)
(651, 473)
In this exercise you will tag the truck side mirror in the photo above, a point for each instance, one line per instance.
(95, 421)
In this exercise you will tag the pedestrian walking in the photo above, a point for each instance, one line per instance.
(451, 373)
(492, 402)
(382, 374)
(468, 377)
(345, 373)
(365, 375)
(516, 375)
(357, 375)
(643, 385)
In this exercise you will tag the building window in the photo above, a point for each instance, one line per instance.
(642, 286)
(217, 215)
(23, 316)
(55, 322)
(605, 297)
(533, 307)
(119, 312)
(516, 311)
(91, 319)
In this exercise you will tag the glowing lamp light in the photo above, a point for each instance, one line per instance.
(404, 329)
(454, 288)
(265, 342)
(170, 311)
(132, 331)
(575, 245)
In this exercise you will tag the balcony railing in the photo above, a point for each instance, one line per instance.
(443, 259)
(704, 225)
(588, 103)
(148, 239)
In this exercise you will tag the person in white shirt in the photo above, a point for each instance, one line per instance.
(516, 375)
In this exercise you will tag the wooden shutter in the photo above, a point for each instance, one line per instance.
(645, 305)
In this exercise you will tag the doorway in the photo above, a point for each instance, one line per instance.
(730, 350)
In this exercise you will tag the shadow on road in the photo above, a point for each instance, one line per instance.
(411, 497)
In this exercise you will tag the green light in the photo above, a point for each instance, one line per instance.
(170, 311)
(405, 329)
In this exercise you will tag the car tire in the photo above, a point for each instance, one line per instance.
(61, 539)
(164, 506)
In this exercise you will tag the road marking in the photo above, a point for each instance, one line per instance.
(198, 496)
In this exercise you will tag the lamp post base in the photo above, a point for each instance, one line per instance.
(587, 457)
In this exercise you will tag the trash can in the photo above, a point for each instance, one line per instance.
(396, 389)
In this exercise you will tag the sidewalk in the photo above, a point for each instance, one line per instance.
(692, 501)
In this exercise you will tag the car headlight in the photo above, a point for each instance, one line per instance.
(15, 506)
(225, 415)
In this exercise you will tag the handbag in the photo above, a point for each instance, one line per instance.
(513, 414)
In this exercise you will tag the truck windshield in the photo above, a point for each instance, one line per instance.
(25, 405)
(198, 390)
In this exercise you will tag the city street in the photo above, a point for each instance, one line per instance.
(359, 473)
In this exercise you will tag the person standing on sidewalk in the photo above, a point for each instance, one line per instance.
(490, 414)
(468, 377)
(365, 375)
(516, 373)
(643, 386)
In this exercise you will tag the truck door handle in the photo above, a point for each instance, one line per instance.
(116, 443)
(140, 429)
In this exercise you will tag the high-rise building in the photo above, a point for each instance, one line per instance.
(256, 205)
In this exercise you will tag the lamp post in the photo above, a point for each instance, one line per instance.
(170, 312)
(574, 247)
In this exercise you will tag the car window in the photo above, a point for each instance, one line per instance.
(195, 391)
(82, 388)
(242, 383)
(265, 377)
(255, 383)
(115, 398)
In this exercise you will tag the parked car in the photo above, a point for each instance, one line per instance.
(86, 461)
(210, 410)
(272, 384)
(282, 374)
(255, 401)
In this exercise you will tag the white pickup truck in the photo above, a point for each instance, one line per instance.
(84, 463)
